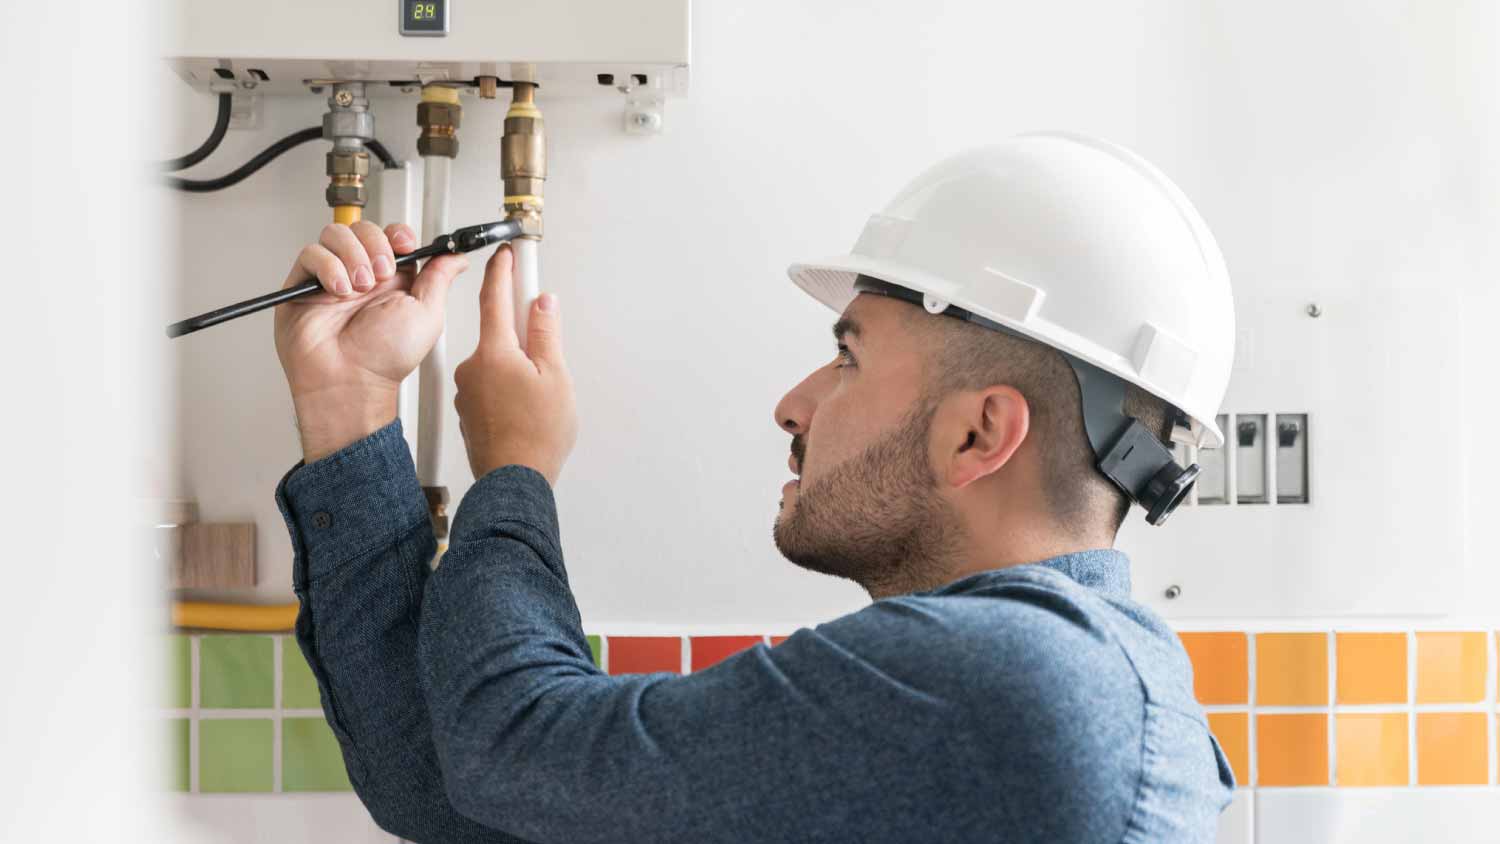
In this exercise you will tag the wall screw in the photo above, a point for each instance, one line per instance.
(1314, 311)
(343, 97)
(1173, 592)
(407, 89)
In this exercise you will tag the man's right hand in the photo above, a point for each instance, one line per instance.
(346, 350)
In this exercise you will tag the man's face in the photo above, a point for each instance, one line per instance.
(866, 506)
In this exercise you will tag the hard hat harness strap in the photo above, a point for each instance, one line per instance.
(1132, 457)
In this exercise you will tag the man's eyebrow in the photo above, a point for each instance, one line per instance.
(845, 327)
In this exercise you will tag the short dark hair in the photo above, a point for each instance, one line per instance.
(966, 356)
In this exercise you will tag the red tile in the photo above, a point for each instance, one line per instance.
(644, 654)
(708, 650)
(776, 640)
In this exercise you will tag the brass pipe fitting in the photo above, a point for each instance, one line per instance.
(437, 510)
(523, 160)
(348, 124)
(439, 114)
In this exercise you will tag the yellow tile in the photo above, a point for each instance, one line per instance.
(1291, 749)
(1371, 667)
(1221, 666)
(1371, 749)
(1450, 667)
(1452, 748)
(1291, 669)
(1232, 729)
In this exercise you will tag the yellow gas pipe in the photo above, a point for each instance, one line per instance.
(256, 618)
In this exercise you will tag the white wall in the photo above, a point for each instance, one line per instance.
(1332, 146)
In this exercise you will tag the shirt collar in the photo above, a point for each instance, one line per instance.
(1104, 570)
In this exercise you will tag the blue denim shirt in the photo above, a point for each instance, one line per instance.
(1032, 703)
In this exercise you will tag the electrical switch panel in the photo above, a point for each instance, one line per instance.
(1264, 460)
(1291, 458)
(1250, 458)
(1213, 482)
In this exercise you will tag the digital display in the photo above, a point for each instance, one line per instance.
(424, 17)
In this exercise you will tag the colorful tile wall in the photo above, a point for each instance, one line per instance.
(1351, 708)
(1292, 709)
(244, 716)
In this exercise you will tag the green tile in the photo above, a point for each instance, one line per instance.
(177, 754)
(310, 757)
(236, 671)
(594, 647)
(299, 689)
(234, 754)
(179, 672)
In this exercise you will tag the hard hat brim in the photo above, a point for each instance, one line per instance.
(831, 281)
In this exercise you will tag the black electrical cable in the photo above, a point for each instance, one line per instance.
(264, 157)
(386, 159)
(204, 150)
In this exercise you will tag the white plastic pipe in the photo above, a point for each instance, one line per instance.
(396, 198)
(528, 281)
(431, 397)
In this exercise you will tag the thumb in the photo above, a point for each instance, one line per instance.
(544, 332)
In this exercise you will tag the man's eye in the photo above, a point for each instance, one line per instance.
(845, 359)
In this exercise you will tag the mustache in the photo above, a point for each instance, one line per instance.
(799, 449)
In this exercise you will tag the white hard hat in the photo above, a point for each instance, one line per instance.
(1071, 241)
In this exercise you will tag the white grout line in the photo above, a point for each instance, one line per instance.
(194, 703)
(1411, 707)
(1250, 799)
(276, 692)
(687, 657)
(603, 653)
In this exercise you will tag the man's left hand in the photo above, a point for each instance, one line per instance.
(515, 406)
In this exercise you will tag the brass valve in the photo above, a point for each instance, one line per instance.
(523, 160)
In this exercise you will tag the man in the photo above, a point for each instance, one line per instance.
(1001, 687)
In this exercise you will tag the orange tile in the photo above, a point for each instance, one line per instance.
(1452, 748)
(707, 650)
(1232, 729)
(1291, 749)
(1450, 667)
(1221, 666)
(1371, 667)
(644, 654)
(1291, 669)
(776, 640)
(1371, 749)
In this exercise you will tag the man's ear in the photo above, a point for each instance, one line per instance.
(981, 432)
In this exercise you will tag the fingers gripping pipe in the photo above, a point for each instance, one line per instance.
(523, 170)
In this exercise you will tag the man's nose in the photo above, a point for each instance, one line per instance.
(794, 412)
